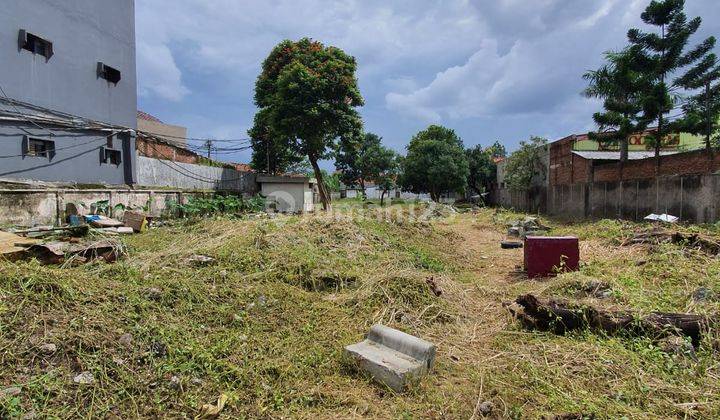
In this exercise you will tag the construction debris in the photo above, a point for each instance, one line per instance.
(530, 226)
(13, 246)
(58, 252)
(662, 218)
(100, 221)
(392, 357)
(137, 221)
(560, 317)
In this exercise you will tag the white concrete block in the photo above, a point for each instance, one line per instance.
(392, 357)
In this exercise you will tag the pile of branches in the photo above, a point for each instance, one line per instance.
(704, 243)
(560, 317)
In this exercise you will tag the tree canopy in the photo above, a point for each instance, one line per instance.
(270, 153)
(309, 93)
(435, 163)
(497, 150)
(379, 165)
(525, 165)
(621, 86)
(660, 55)
(483, 170)
(702, 110)
(359, 162)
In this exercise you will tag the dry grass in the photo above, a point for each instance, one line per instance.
(266, 323)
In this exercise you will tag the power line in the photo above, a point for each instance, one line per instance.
(67, 147)
(189, 173)
(14, 102)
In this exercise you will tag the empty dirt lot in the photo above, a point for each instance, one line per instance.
(160, 334)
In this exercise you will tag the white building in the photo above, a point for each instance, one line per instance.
(288, 194)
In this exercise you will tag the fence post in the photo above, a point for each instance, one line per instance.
(58, 217)
(682, 191)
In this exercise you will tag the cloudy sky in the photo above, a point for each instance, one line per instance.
(490, 69)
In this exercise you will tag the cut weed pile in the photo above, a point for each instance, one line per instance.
(265, 322)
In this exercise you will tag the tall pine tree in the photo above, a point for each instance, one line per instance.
(702, 109)
(621, 87)
(663, 54)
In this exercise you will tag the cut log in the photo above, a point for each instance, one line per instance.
(560, 317)
(704, 243)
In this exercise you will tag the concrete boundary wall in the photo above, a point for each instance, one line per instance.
(693, 198)
(34, 207)
(153, 172)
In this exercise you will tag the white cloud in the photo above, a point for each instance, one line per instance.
(535, 75)
(478, 65)
(159, 74)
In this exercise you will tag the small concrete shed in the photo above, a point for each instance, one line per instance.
(288, 194)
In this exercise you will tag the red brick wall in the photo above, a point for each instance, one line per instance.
(158, 150)
(565, 167)
(690, 163)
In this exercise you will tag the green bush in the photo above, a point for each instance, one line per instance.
(219, 204)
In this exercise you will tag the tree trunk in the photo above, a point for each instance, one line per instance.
(382, 198)
(362, 188)
(324, 196)
(708, 134)
(560, 318)
(623, 158)
(658, 143)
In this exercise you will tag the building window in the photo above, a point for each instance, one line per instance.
(111, 156)
(38, 147)
(108, 73)
(35, 44)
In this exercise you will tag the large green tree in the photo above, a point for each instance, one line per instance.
(663, 54)
(621, 87)
(379, 165)
(526, 165)
(271, 153)
(359, 162)
(497, 150)
(483, 170)
(435, 163)
(702, 109)
(310, 94)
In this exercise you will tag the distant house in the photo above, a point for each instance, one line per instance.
(68, 100)
(578, 159)
(152, 125)
(289, 194)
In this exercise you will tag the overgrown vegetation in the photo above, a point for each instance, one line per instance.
(266, 322)
(218, 205)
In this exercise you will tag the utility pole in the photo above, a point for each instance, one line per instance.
(208, 144)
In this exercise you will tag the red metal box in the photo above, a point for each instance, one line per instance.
(545, 256)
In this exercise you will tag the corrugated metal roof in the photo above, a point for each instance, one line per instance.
(603, 155)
